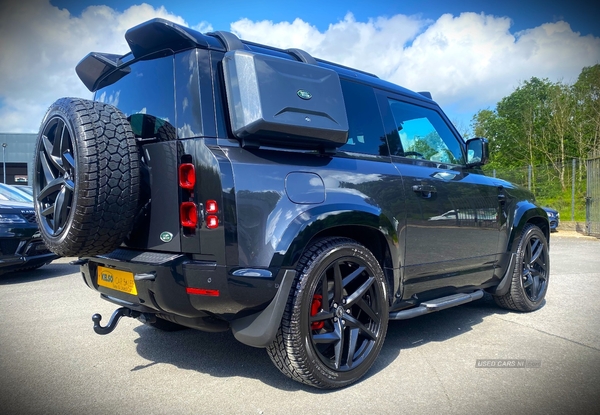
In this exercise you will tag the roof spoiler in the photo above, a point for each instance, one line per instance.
(95, 65)
(159, 34)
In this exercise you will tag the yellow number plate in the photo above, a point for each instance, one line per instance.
(116, 280)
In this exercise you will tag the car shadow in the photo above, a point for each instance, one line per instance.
(221, 355)
(54, 269)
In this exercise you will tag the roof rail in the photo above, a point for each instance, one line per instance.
(302, 56)
(426, 94)
(229, 40)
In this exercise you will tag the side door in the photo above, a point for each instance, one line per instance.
(452, 221)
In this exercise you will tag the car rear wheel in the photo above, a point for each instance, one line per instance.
(86, 180)
(336, 319)
(530, 274)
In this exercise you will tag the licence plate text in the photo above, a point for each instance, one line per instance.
(117, 280)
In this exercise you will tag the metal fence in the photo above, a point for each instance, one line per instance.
(572, 188)
(592, 221)
(559, 186)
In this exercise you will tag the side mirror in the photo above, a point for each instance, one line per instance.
(478, 152)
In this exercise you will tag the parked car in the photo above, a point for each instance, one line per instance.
(21, 245)
(553, 217)
(8, 192)
(24, 188)
(220, 184)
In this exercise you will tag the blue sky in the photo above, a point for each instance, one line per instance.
(469, 54)
(582, 15)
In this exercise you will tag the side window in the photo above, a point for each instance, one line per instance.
(146, 97)
(424, 135)
(366, 133)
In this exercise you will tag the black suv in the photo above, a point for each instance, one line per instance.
(21, 245)
(219, 184)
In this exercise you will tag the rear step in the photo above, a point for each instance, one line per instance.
(436, 304)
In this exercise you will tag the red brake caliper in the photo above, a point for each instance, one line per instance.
(315, 307)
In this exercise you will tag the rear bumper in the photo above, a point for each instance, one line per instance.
(176, 285)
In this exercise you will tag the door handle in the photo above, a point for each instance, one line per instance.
(426, 190)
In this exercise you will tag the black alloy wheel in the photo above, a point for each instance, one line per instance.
(344, 328)
(335, 321)
(57, 174)
(535, 272)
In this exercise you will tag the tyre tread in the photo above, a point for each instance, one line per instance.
(107, 189)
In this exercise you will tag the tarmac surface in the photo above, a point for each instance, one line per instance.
(475, 358)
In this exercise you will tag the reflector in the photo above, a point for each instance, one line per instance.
(202, 291)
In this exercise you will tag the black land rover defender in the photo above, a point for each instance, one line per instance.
(219, 184)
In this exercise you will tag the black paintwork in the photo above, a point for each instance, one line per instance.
(437, 228)
(21, 244)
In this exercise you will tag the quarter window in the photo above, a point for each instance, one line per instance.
(366, 134)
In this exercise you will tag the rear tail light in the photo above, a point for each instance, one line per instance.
(212, 222)
(188, 214)
(187, 176)
(211, 206)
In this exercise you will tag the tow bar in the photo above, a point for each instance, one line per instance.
(114, 319)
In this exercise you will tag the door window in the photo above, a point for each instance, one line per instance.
(423, 134)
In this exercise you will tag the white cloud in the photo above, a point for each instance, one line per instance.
(41, 45)
(468, 62)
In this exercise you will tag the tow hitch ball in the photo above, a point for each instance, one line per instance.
(114, 319)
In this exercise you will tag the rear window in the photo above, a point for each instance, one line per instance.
(147, 97)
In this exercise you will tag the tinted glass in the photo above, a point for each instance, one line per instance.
(147, 97)
(424, 134)
(366, 133)
(189, 111)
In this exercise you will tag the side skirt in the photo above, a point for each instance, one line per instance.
(436, 305)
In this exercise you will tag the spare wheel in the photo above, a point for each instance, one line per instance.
(86, 177)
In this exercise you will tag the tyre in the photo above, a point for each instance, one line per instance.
(86, 178)
(530, 274)
(335, 320)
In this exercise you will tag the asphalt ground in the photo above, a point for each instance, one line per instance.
(545, 362)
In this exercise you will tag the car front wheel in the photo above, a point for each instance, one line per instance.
(531, 272)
